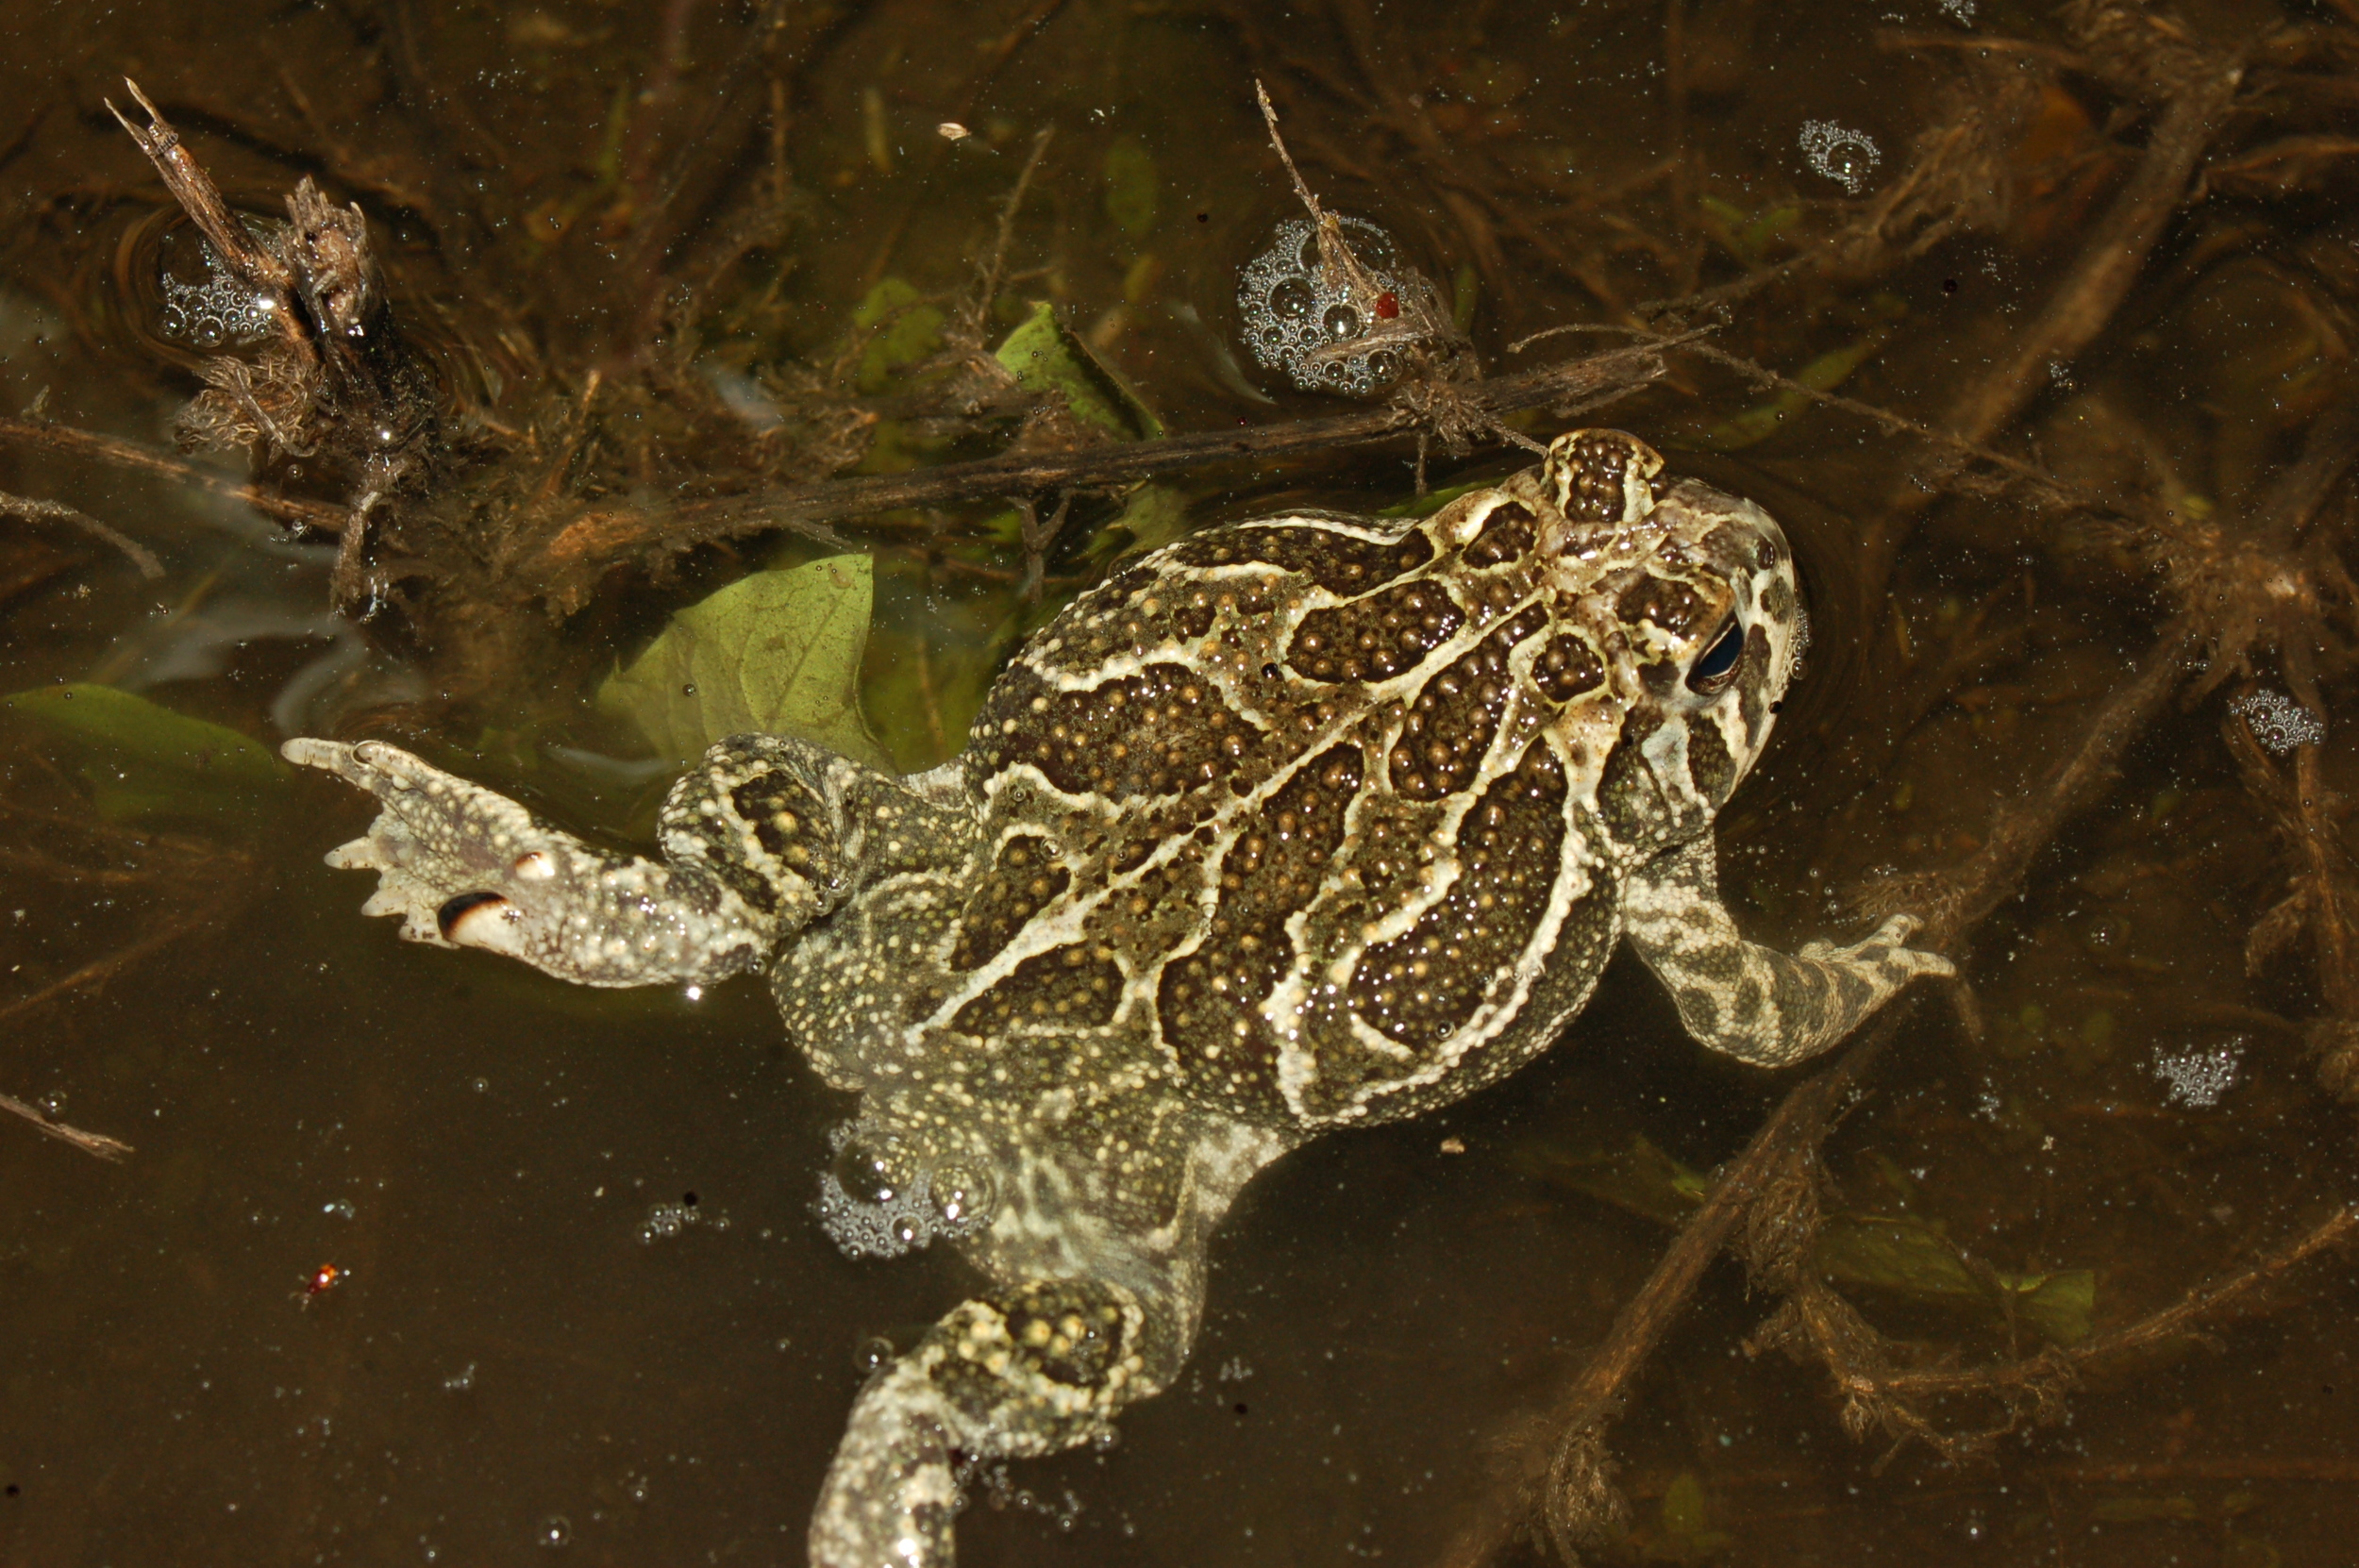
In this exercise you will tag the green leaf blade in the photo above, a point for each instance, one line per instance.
(144, 760)
(778, 653)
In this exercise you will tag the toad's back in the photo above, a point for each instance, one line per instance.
(1314, 818)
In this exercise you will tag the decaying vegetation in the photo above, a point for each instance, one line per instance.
(519, 457)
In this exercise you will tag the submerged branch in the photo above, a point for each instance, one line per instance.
(599, 536)
(32, 509)
(2111, 258)
(134, 456)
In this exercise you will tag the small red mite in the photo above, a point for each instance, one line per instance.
(1387, 305)
(324, 1279)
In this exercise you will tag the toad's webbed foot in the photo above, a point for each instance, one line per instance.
(1751, 1002)
(1025, 1371)
(466, 867)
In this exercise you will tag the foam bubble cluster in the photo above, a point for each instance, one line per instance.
(873, 1208)
(1296, 323)
(2278, 722)
(2199, 1075)
(216, 312)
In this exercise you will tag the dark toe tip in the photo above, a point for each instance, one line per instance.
(458, 908)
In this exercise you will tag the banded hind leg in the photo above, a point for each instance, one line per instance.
(1017, 1374)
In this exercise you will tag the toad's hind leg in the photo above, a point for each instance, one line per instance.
(1025, 1371)
(752, 853)
(1751, 1002)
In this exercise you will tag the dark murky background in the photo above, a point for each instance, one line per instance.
(588, 1315)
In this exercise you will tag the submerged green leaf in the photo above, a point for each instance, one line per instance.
(1466, 293)
(1748, 236)
(778, 653)
(1898, 1255)
(1907, 1256)
(1641, 1179)
(143, 759)
(1824, 374)
(1045, 357)
(1433, 500)
(1150, 518)
(1687, 1535)
(906, 331)
(1130, 186)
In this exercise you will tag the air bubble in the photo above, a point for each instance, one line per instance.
(874, 1207)
(959, 1194)
(1294, 322)
(665, 1221)
(217, 311)
(1844, 157)
(2199, 1075)
(2278, 722)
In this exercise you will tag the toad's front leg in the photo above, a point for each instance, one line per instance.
(466, 867)
(1020, 1373)
(1753, 1002)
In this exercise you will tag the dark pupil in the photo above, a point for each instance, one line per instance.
(1719, 659)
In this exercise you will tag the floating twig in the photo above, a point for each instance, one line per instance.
(89, 1143)
(33, 511)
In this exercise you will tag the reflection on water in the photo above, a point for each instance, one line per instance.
(583, 1308)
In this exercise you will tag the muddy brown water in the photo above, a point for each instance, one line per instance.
(584, 1312)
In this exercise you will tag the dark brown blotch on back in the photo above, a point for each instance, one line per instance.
(1209, 1000)
(1594, 471)
(1076, 986)
(1509, 531)
(1670, 604)
(1451, 726)
(1568, 667)
(1163, 731)
(1375, 638)
(1424, 985)
(1022, 882)
(1336, 562)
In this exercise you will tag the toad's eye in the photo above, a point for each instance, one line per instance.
(1717, 667)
